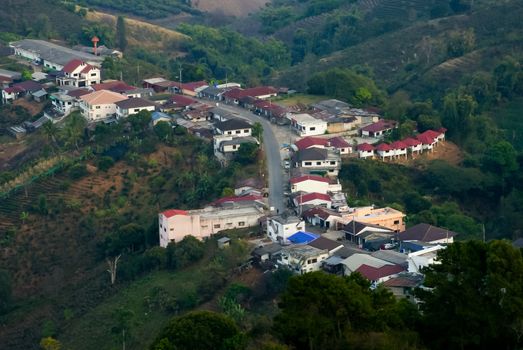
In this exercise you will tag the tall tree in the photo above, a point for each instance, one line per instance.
(5, 291)
(475, 297)
(121, 33)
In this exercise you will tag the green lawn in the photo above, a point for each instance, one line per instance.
(509, 118)
(294, 99)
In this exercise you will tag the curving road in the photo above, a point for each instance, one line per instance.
(272, 152)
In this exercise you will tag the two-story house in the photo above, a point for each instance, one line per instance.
(79, 74)
(100, 105)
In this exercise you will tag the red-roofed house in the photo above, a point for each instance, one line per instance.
(178, 103)
(399, 148)
(262, 93)
(21, 89)
(340, 144)
(379, 128)
(414, 146)
(114, 86)
(385, 151)
(366, 151)
(321, 217)
(314, 183)
(379, 274)
(310, 142)
(441, 132)
(313, 199)
(78, 73)
(191, 88)
(427, 141)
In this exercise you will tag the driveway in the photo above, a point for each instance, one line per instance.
(277, 177)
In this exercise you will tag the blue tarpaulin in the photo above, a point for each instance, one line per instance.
(303, 237)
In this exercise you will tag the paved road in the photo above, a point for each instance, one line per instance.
(272, 152)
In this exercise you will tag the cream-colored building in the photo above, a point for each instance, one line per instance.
(303, 258)
(100, 105)
(174, 224)
(386, 217)
(280, 228)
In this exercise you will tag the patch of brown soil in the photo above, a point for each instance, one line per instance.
(33, 107)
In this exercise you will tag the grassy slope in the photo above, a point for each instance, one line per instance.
(399, 61)
(143, 34)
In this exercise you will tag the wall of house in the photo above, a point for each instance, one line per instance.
(311, 128)
(315, 202)
(94, 114)
(123, 113)
(279, 232)
(175, 228)
(212, 225)
(310, 186)
(302, 266)
(321, 164)
(237, 133)
(365, 154)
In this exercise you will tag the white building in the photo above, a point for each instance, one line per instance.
(130, 106)
(306, 125)
(423, 258)
(279, 228)
(78, 74)
(314, 183)
(318, 159)
(303, 258)
(233, 127)
(174, 224)
(100, 105)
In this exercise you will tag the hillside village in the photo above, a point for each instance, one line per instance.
(254, 183)
(316, 230)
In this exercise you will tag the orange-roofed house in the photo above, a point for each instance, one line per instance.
(79, 74)
(100, 105)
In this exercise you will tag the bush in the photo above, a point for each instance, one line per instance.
(105, 163)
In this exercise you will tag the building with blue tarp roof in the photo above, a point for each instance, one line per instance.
(302, 237)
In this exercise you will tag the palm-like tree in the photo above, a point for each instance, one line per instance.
(24, 216)
(51, 131)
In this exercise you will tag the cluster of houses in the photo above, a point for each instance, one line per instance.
(410, 146)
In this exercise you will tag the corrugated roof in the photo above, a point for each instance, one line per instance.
(173, 212)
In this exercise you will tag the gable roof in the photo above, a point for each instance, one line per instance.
(232, 124)
(311, 141)
(375, 273)
(425, 233)
(425, 139)
(320, 212)
(411, 142)
(173, 212)
(103, 97)
(390, 256)
(115, 86)
(308, 197)
(312, 154)
(325, 243)
(360, 226)
(182, 101)
(380, 125)
(303, 178)
(365, 147)
(356, 260)
(383, 147)
(302, 237)
(338, 142)
(135, 102)
(398, 145)
(405, 280)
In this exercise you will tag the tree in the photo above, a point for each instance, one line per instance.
(501, 158)
(26, 75)
(113, 266)
(51, 131)
(121, 33)
(105, 163)
(362, 96)
(163, 130)
(73, 130)
(5, 292)
(140, 121)
(257, 131)
(200, 330)
(475, 297)
(247, 153)
(123, 319)
(50, 343)
(24, 216)
(187, 251)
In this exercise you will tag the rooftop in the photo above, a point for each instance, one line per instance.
(303, 178)
(103, 97)
(375, 273)
(308, 197)
(304, 118)
(380, 125)
(325, 243)
(55, 53)
(405, 279)
(302, 251)
(232, 124)
(354, 261)
(425, 233)
(136, 102)
(302, 237)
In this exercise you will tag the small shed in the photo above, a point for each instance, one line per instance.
(39, 95)
(224, 242)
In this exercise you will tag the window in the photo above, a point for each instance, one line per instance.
(312, 128)
(137, 109)
(229, 132)
(234, 146)
(396, 222)
(93, 74)
(97, 107)
(308, 163)
(172, 229)
(238, 131)
(217, 226)
(318, 163)
(241, 223)
(333, 163)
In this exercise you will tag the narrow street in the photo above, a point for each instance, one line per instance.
(277, 177)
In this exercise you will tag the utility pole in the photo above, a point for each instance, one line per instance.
(180, 70)
(484, 236)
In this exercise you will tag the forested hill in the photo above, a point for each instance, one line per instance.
(143, 8)
(40, 18)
